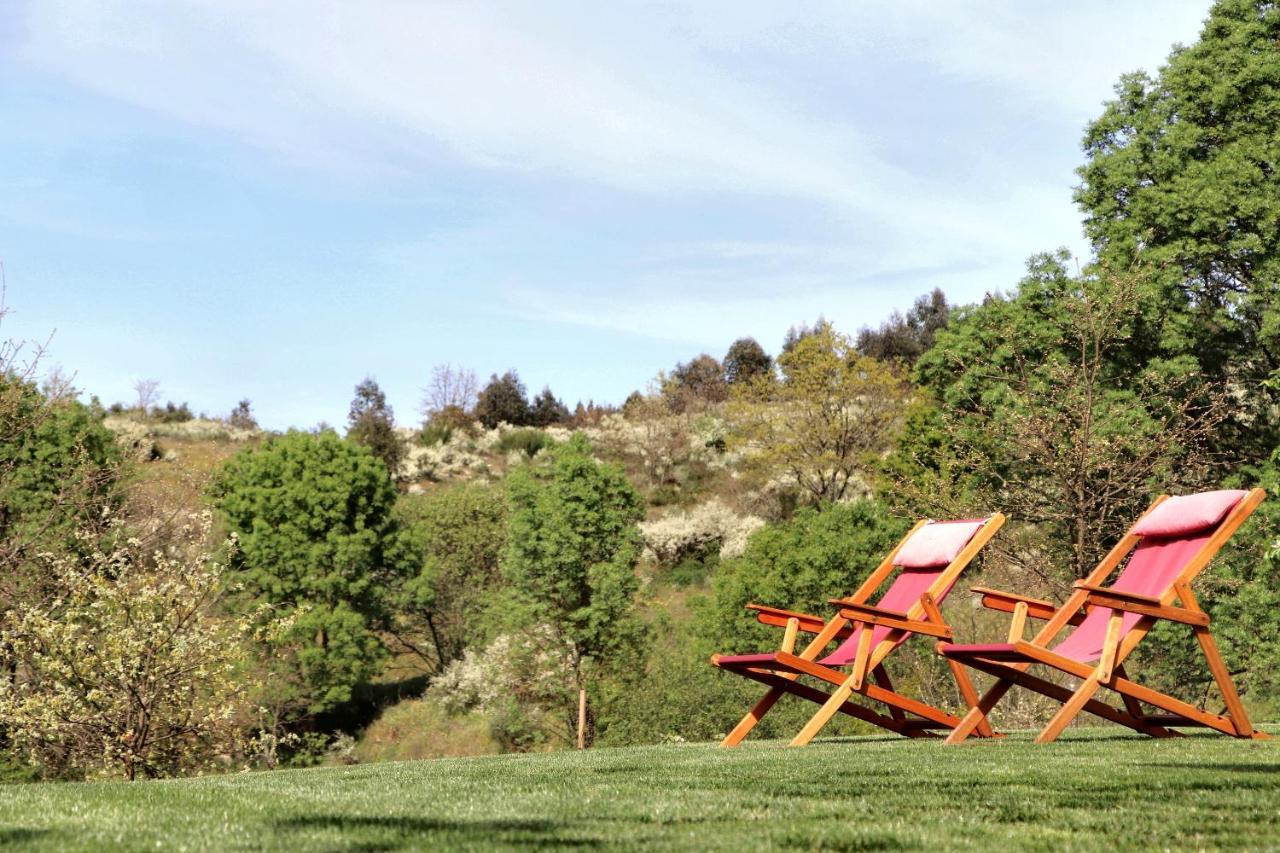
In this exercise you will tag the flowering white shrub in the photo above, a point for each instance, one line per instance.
(707, 526)
(127, 668)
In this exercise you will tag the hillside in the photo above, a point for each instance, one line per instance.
(1091, 791)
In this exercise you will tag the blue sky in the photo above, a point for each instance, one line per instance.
(271, 200)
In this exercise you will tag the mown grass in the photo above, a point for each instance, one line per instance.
(1091, 790)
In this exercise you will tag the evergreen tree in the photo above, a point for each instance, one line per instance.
(503, 400)
(371, 422)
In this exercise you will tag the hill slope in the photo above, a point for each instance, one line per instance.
(1092, 790)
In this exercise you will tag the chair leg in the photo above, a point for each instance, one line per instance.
(747, 723)
(1069, 710)
(826, 712)
(1235, 708)
(969, 695)
(978, 712)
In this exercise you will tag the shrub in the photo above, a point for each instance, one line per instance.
(708, 528)
(526, 441)
(419, 728)
(127, 670)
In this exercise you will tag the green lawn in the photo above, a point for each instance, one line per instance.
(1088, 791)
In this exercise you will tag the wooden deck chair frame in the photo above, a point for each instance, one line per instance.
(1109, 670)
(906, 716)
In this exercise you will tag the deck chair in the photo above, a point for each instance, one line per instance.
(1172, 543)
(926, 563)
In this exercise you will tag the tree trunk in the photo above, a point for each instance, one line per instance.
(582, 718)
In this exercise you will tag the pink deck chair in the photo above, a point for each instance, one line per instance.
(927, 563)
(1172, 543)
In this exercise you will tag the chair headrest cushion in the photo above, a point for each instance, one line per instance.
(936, 544)
(1187, 514)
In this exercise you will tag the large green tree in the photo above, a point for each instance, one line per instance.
(1183, 172)
(572, 547)
(319, 543)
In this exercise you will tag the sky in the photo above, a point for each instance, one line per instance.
(271, 200)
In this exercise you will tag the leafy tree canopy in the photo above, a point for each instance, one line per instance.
(907, 338)
(503, 400)
(313, 514)
(1182, 172)
(746, 360)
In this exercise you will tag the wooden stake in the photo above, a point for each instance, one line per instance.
(582, 718)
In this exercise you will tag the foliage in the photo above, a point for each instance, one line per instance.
(547, 410)
(460, 531)
(832, 414)
(1182, 171)
(695, 384)
(60, 469)
(745, 361)
(128, 670)
(320, 544)
(418, 728)
(527, 441)
(1052, 410)
(906, 338)
(503, 400)
(799, 565)
(371, 422)
(571, 552)
(518, 682)
(710, 527)
(241, 416)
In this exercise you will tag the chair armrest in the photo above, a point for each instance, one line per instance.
(897, 620)
(767, 615)
(1147, 606)
(1037, 608)
(1131, 597)
(869, 609)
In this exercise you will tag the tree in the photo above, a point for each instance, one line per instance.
(796, 334)
(695, 384)
(572, 546)
(148, 394)
(503, 400)
(128, 669)
(907, 338)
(319, 543)
(1054, 409)
(1181, 171)
(241, 416)
(547, 410)
(450, 389)
(460, 531)
(371, 422)
(745, 360)
(828, 419)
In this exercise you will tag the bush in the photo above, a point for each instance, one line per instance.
(419, 728)
(526, 441)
